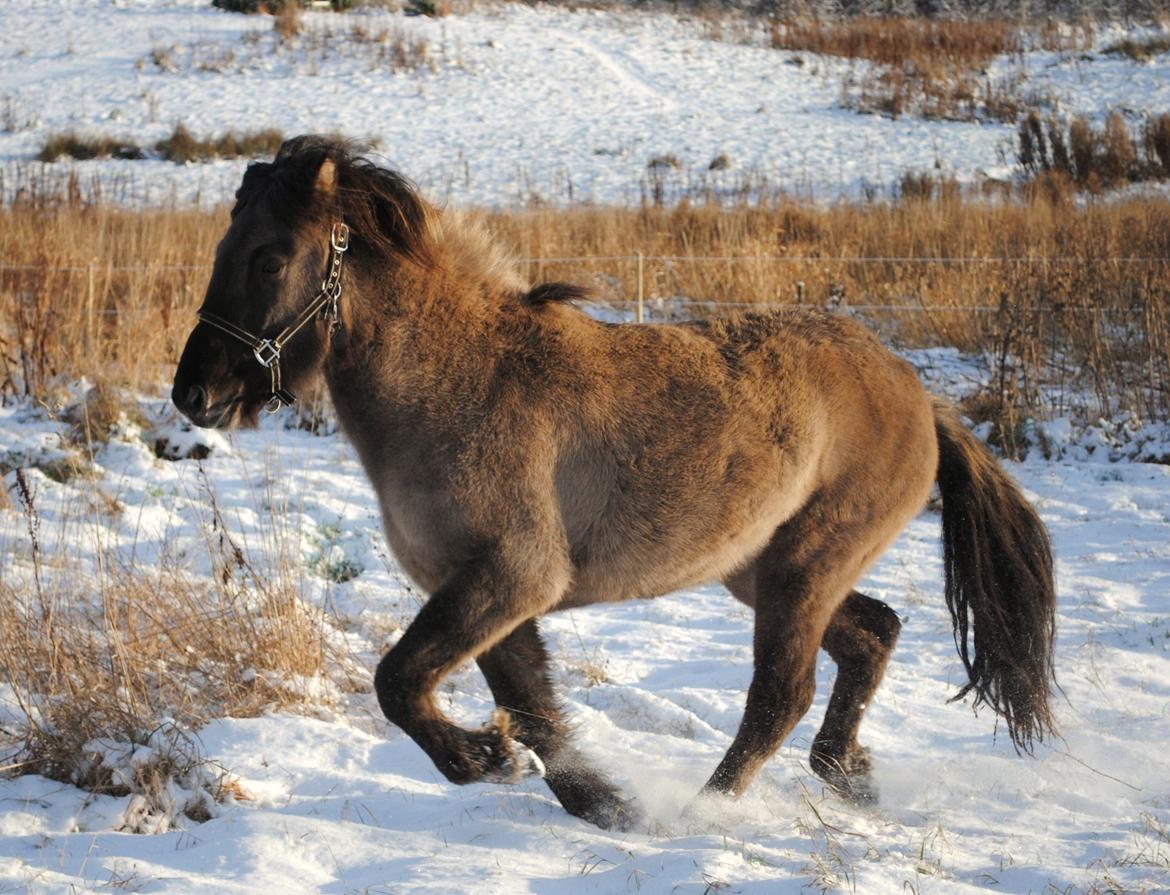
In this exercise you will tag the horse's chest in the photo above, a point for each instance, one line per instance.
(421, 532)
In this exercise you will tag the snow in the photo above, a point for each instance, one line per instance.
(342, 802)
(513, 103)
(518, 101)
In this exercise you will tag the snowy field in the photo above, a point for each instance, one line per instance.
(512, 103)
(339, 802)
(515, 102)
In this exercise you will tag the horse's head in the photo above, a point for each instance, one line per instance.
(273, 303)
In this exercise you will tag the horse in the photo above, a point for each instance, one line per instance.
(529, 459)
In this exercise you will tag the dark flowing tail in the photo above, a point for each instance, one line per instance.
(999, 583)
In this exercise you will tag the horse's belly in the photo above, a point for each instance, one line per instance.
(614, 566)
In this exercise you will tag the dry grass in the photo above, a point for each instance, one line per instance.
(931, 67)
(82, 146)
(928, 67)
(94, 288)
(1067, 299)
(898, 42)
(301, 45)
(120, 659)
(1075, 297)
(181, 146)
(289, 21)
(1141, 49)
(1053, 153)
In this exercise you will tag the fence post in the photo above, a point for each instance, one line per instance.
(800, 292)
(89, 306)
(639, 314)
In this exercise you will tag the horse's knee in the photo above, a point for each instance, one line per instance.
(400, 698)
(882, 622)
(862, 631)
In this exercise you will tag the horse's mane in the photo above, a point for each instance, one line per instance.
(386, 216)
(384, 211)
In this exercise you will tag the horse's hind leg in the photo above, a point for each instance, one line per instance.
(516, 670)
(860, 639)
(793, 608)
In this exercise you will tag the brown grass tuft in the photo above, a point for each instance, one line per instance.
(84, 147)
(288, 21)
(126, 660)
(1094, 160)
(898, 42)
(931, 67)
(99, 414)
(183, 147)
(1141, 49)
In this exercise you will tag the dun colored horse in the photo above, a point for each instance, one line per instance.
(529, 459)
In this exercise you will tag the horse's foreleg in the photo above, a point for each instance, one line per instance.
(516, 670)
(860, 639)
(474, 610)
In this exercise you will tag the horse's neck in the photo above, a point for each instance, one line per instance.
(417, 349)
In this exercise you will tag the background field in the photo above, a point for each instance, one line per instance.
(190, 620)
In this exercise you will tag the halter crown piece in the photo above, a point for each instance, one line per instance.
(267, 351)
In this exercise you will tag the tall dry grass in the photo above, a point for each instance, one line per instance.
(931, 67)
(114, 664)
(898, 41)
(1079, 291)
(1076, 297)
(88, 289)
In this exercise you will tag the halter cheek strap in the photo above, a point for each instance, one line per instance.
(267, 351)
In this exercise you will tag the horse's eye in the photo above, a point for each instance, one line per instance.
(272, 265)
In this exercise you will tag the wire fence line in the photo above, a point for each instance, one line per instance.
(677, 259)
(660, 306)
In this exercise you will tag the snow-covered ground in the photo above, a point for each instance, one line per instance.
(513, 102)
(516, 101)
(340, 802)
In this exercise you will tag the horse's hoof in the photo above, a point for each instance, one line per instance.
(617, 815)
(858, 789)
(519, 762)
(849, 778)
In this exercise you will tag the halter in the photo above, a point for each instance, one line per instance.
(267, 351)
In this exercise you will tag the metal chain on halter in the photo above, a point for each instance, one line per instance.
(267, 351)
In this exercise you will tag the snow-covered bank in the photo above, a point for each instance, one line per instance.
(511, 103)
(341, 802)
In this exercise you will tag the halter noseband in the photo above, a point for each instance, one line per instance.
(267, 351)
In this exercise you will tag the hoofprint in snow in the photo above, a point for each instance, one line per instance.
(340, 802)
(512, 103)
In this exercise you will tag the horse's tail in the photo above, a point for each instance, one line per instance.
(999, 583)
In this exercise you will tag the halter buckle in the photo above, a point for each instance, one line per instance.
(340, 237)
(266, 353)
(273, 404)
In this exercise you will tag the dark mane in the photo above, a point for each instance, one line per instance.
(383, 209)
(550, 293)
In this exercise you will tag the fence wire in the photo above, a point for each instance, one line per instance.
(673, 259)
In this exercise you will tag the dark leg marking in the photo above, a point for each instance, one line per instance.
(860, 639)
(788, 627)
(473, 610)
(516, 670)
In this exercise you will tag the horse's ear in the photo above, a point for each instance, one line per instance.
(326, 184)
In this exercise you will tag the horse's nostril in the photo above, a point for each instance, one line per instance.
(196, 400)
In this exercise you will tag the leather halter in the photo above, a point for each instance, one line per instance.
(267, 351)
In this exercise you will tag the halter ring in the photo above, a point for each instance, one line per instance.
(266, 353)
